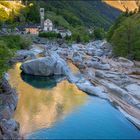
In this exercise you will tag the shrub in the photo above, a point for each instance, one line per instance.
(78, 39)
(5, 54)
(99, 33)
(25, 41)
(59, 36)
(16, 42)
(11, 41)
(50, 35)
(8, 45)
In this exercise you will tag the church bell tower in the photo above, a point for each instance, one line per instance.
(42, 18)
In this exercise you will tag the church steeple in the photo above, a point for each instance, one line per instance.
(42, 18)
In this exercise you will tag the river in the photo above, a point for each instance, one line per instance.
(53, 108)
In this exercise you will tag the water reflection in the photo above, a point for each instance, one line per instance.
(73, 68)
(41, 82)
(42, 103)
(87, 117)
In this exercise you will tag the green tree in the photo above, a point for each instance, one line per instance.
(99, 33)
(126, 38)
(78, 39)
(5, 54)
(3, 15)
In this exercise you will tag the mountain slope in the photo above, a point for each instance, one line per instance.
(88, 13)
(67, 13)
(9, 7)
(123, 4)
(125, 36)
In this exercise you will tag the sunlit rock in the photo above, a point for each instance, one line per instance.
(125, 62)
(133, 89)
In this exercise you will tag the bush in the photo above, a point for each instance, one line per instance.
(8, 45)
(78, 39)
(11, 41)
(50, 35)
(15, 42)
(99, 33)
(5, 54)
(25, 41)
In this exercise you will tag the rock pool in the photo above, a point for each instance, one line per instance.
(53, 108)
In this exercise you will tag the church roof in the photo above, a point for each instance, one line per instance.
(48, 20)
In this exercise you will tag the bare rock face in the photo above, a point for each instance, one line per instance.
(9, 128)
(5, 112)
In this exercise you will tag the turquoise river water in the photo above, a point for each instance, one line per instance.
(54, 109)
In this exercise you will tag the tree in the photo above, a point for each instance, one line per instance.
(59, 36)
(115, 26)
(99, 33)
(78, 39)
(126, 11)
(33, 12)
(3, 15)
(126, 38)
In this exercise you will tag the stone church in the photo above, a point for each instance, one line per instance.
(48, 25)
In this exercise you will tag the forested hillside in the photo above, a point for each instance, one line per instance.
(65, 13)
(87, 13)
(125, 36)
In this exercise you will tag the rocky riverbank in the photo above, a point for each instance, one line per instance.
(9, 128)
(114, 79)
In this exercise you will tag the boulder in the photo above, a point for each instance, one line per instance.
(10, 129)
(77, 57)
(137, 63)
(133, 89)
(10, 124)
(115, 77)
(114, 88)
(98, 52)
(36, 50)
(89, 72)
(121, 93)
(50, 65)
(135, 71)
(41, 66)
(5, 112)
(87, 87)
(97, 65)
(22, 55)
(64, 45)
(125, 62)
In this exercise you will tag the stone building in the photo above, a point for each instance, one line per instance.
(63, 32)
(34, 30)
(48, 25)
